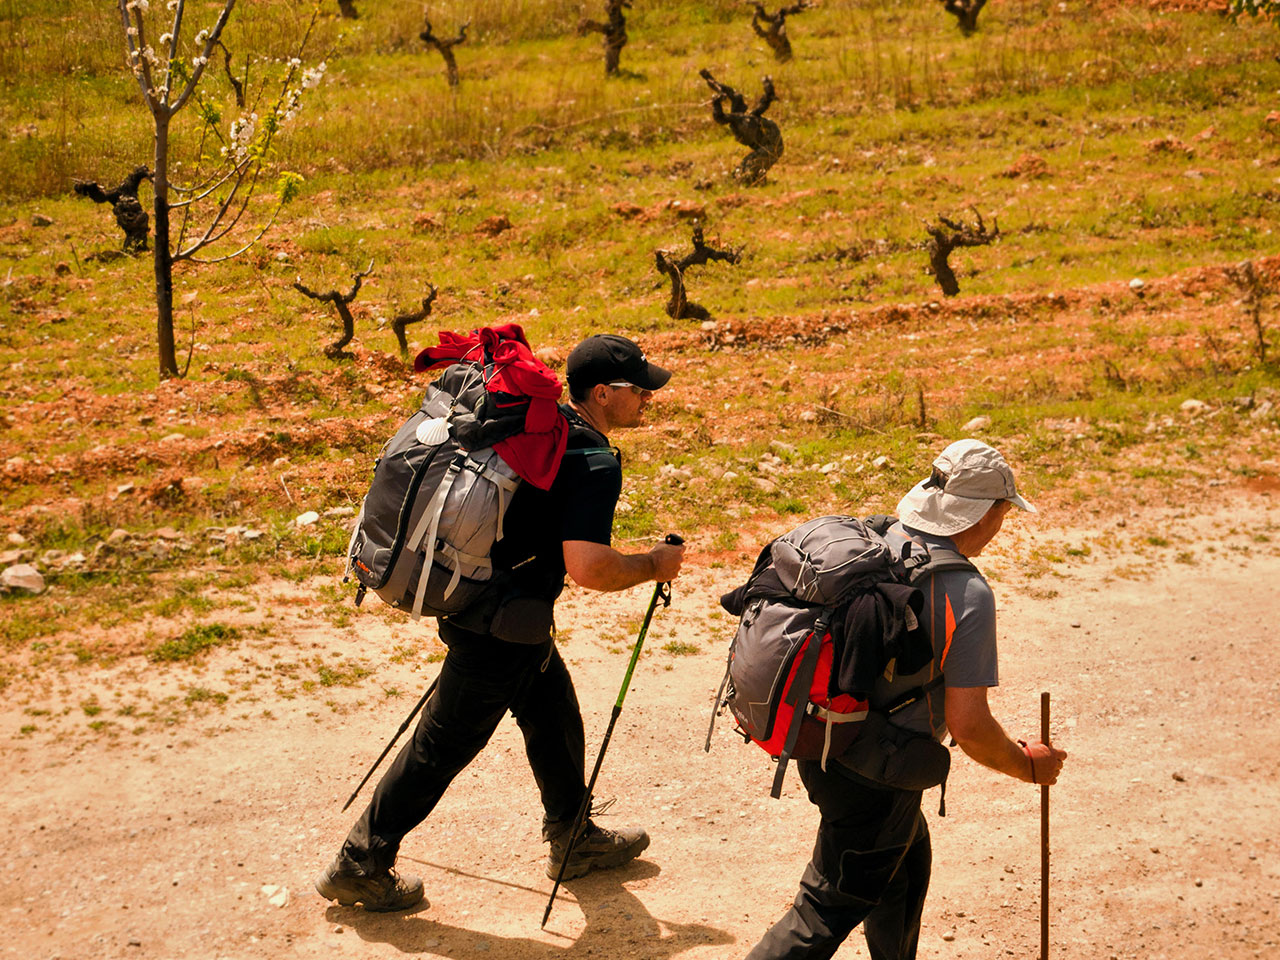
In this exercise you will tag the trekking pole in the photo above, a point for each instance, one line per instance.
(660, 591)
(1044, 837)
(387, 749)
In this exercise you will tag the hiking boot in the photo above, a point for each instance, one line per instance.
(346, 883)
(596, 849)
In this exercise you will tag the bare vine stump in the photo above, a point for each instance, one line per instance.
(614, 29)
(751, 128)
(445, 47)
(237, 85)
(947, 237)
(414, 316)
(966, 13)
(130, 216)
(679, 306)
(348, 9)
(772, 28)
(341, 303)
(1251, 284)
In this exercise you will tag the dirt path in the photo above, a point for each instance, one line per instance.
(1157, 647)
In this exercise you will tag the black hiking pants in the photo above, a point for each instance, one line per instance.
(480, 680)
(870, 865)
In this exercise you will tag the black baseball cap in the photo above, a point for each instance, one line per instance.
(606, 358)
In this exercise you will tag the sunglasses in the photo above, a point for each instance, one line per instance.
(638, 391)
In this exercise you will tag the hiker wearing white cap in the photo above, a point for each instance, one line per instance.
(872, 859)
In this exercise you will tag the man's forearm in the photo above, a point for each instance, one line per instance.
(987, 743)
(600, 567)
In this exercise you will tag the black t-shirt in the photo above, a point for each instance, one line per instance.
(579, 506)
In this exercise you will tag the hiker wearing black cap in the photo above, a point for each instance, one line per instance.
(872, 858)
(493, 665)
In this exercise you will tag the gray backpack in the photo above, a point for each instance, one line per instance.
(434, 510)
(781, 683)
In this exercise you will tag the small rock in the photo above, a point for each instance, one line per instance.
(550, 356)
(306, 519)
(173, 438)
(41, 220)
(949, 936)
(252, 534)
(1136, 285)
(124, 488)
(765, 485)
(1193, 406)
(280, 462)
(22, 576)
(135, 942)
(340, 512)
(778, 446)
(976, 424)
(882, 463)
(1075, 624)
(1263, 409)
(1179, 777)
(10, 557)
(16, 539)
(117, 536)
(62, 268)
(167, 533)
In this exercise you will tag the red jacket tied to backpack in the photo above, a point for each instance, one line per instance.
(517, 383)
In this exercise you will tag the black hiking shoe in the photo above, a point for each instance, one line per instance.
(346, 883)
(596, 849)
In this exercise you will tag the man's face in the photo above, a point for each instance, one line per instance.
(625, 405)
(991, 523)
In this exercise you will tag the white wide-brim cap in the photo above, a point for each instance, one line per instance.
(974, 476)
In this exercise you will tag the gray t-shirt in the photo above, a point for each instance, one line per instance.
(961, 609)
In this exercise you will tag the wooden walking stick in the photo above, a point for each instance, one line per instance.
(1044, 837)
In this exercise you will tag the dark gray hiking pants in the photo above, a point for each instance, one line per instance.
(870, 865)
(480, 680)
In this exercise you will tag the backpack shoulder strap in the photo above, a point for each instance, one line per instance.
(931, 560)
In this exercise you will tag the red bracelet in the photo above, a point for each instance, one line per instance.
(1030, 759)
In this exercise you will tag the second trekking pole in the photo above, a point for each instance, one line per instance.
(661, 591)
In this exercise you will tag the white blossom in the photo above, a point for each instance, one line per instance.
(310, 78)
(202, 36)
(241, 136)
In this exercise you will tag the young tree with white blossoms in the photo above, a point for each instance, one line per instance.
(211, 206)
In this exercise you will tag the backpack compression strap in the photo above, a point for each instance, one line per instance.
(798, 696)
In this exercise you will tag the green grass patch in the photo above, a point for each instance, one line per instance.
(193, 642)
(679, 648)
